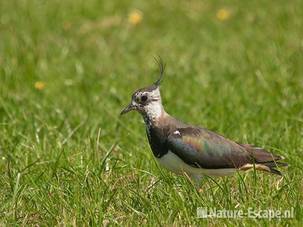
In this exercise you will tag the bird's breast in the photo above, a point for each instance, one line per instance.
(156, 141)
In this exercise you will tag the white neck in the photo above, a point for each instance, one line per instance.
(154, 110)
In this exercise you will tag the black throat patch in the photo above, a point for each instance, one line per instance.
(156, 138)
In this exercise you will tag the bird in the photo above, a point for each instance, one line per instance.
(191, 150)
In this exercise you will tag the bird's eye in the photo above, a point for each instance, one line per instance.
(143, 98)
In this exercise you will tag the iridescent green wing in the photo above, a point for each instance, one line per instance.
(204, 149)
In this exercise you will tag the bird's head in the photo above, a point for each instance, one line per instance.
(147, 100)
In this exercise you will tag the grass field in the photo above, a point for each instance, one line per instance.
(67, 68)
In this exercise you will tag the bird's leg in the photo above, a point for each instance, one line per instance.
(197, 181)
(194, 179)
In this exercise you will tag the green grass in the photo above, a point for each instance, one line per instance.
(67, 158)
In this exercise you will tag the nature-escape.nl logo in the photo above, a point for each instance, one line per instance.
(205, 212)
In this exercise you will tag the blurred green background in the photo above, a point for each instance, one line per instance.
(67, 68)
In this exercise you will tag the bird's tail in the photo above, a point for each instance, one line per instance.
(265, 160)
(273, 165)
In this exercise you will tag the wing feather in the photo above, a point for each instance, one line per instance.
(202, 148)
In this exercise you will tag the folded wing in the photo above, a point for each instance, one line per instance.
(202, 148)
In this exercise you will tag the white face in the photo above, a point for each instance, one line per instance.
(146, 101)
(144, 97)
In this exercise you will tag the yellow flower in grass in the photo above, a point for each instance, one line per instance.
(135, 17)
(223, 14)
(39, 85)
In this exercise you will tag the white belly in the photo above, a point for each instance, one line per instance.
(175, 164)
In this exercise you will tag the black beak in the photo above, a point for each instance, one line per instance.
(130, 107)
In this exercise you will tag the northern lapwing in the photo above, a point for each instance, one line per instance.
(195, 151)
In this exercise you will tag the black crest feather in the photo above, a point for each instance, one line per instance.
(161, 65)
